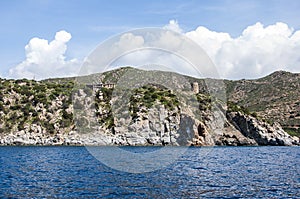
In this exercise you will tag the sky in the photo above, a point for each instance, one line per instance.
(244, 39)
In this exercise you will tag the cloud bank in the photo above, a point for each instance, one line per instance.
(258, 51)
(46, 59)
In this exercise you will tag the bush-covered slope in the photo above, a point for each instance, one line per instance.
(26, 104)
(46, 107)
(275, 97)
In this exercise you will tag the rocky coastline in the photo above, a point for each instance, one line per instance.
(239, 130)
(43, 114)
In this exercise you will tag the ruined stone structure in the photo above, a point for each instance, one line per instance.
(97, 87)
(101, 85)
(195, 87)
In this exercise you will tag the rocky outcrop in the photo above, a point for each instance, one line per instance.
(156, 126)
(274, 97)
(261, 132)
(42, 113)
(165, 128)
(233, 137)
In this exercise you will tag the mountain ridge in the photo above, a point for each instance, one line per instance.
(43, 110)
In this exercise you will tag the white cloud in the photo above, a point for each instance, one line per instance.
(129, 41)
(46, 59)
(109, 51)
(159, 47)
(258, 51)
(210, 40)
(174, 26)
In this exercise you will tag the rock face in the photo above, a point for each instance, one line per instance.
(261, 132)
(42, 113)
(157, 126)
(233, 137)
(175, 130)
(274, 97)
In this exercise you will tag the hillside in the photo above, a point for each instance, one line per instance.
(42, 112)
(275, 98)
(27, 103)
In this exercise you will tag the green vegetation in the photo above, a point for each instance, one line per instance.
(103, 108)
(275, 96)
(48, 103)
(233, 107)
(293, 131)
(205, 101)
(28, 102)
(148, 95)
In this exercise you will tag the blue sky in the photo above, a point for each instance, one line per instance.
(91, 22)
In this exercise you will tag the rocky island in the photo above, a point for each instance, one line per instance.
(264, 111)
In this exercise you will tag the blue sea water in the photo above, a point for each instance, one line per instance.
(223, 172)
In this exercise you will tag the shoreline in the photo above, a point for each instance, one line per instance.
(154, 146)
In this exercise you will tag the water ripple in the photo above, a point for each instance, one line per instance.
(223, 172)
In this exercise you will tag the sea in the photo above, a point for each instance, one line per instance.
(197, 172)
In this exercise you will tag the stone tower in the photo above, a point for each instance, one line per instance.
(195, 87)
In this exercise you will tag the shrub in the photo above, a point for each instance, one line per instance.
(15, 107)
(254, 114)
(233, 107)
(292, 131)
(67, 119)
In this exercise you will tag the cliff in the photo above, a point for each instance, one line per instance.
(274, 98)
(42, 113)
